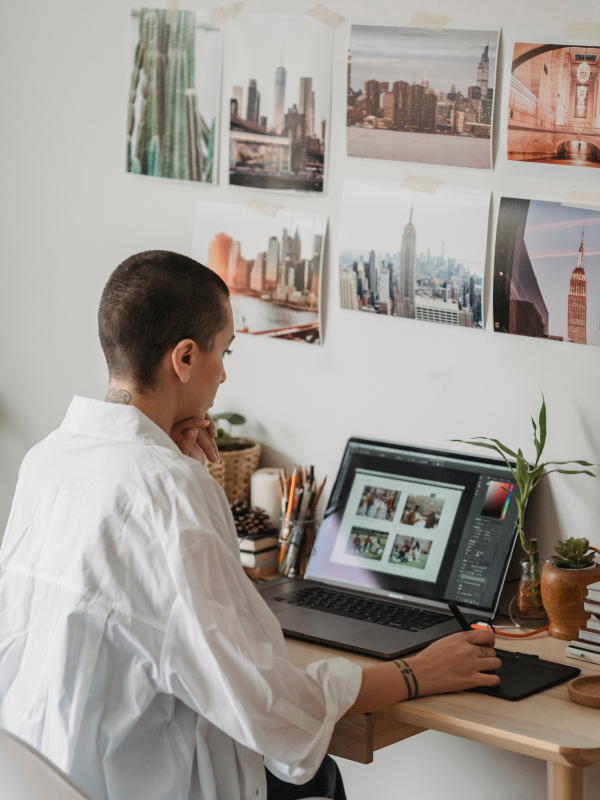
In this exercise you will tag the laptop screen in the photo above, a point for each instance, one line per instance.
(420, 523)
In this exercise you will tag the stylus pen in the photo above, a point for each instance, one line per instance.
(459, 616)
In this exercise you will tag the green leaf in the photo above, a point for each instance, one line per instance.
(536, 472)
(536, 441)
(488, 447)
(582, 463)
(522, 471)
(232, 419)
(478, 444)
(502, 447)
(572, 472)
(542, 422)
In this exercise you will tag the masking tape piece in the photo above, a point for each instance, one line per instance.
(326, 16)
(589, 200)
(582, 30)
(173, 5)
(419, 183)
(435, 22)
(226, 13)
(263, 207)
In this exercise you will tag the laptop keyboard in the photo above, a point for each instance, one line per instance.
(349, 605)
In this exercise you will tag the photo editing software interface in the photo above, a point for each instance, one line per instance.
(436, 525)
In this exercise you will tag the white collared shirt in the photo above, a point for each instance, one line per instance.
(134, 651)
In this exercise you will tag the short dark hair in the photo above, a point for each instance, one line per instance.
(152, 301)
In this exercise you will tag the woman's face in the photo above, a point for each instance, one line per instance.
(209, 372)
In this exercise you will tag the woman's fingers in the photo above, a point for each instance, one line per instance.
(212, 428)
(197, 453)
(196, 435)
(207, 444)
(485, 637)
(488, 664)
(191, 422)
(487, 680)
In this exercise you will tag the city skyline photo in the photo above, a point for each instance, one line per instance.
(279, 98)
(272, 266)
(553, 106)
(414, 255)
(173, 94)
(546, 284)
(421, 95)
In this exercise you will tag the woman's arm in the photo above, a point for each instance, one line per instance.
(458, 662)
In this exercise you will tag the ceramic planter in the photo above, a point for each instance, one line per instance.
(563, 594)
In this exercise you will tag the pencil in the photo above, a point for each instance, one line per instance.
(318, 497)
(288, 516)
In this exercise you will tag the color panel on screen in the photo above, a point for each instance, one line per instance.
(497, 499)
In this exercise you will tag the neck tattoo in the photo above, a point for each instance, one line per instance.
(121, 396)
(409, 677)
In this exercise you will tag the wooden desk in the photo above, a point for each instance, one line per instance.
(547, 726)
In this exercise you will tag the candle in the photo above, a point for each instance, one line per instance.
(265, 493)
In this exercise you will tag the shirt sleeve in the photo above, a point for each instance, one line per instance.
(225, 657)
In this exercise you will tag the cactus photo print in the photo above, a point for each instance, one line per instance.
(173, 95)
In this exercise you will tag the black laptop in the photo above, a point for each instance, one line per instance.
(407, 529)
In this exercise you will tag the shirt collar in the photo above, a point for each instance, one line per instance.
(121, 423)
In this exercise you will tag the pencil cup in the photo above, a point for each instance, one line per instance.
(295, 535)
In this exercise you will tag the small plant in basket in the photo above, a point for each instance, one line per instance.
(239, 458)
(225, 441)
(527, 476)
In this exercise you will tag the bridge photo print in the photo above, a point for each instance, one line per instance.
(272, 266)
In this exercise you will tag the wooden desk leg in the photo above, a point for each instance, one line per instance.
(567, 783)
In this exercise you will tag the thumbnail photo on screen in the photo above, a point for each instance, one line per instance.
(422, 511)
(366, 543)
(410, 552)
(378, 503)
(497, 499)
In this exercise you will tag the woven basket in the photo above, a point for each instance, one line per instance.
(217, 471)
(236, 468)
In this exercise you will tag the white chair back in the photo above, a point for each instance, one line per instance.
(26, 775)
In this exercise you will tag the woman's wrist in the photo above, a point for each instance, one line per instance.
(410, 679)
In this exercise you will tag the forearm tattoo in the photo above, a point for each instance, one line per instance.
(409, 677)
(121, 396)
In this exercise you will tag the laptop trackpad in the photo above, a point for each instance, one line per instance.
(319, 624)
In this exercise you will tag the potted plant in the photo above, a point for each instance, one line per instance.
(527, 476)
(564, 586)
(239, 458)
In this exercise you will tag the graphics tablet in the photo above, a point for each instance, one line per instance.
(522, 675)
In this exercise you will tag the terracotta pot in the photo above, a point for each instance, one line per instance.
(563, 594)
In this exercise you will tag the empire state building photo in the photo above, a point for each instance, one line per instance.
(541, 287)
(577, 321)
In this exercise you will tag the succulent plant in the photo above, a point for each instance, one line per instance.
(573, 554)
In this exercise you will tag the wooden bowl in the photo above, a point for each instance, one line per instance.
(586, 690)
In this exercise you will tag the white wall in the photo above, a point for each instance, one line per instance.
(70, 214)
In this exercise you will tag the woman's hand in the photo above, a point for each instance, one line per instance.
(457, 662)
(195, 438)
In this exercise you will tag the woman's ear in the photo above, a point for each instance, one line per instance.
(182, 357)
